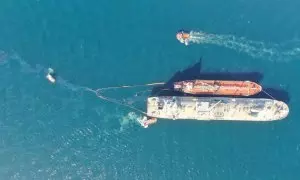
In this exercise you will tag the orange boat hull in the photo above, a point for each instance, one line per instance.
(216, 87)
(182, 36)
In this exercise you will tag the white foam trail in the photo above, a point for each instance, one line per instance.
(40, 72)
(130, 119)
(256, 49)
(69, 85)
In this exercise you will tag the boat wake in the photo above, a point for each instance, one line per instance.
(38, 70)
(9, 62)
(256, 49)
(130, 119)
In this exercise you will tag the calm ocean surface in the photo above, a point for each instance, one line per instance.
(64, 132)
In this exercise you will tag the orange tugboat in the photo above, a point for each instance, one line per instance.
(216, 87)
(183, 37)
(146, 121)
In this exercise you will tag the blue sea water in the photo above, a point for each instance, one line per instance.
(64, 132)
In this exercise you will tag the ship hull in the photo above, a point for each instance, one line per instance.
(216, 108)
(183, 37)
(216, 87)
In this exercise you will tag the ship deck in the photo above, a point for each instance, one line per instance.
(238, 88)
(247, 109)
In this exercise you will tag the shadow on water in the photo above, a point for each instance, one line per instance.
(278, 94)
(194, 72)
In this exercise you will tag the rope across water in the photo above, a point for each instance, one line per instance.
(99, 95)
(131, 86)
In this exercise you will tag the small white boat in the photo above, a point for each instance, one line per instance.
(51, 76)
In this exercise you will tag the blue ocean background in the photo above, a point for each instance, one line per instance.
(62, 131)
